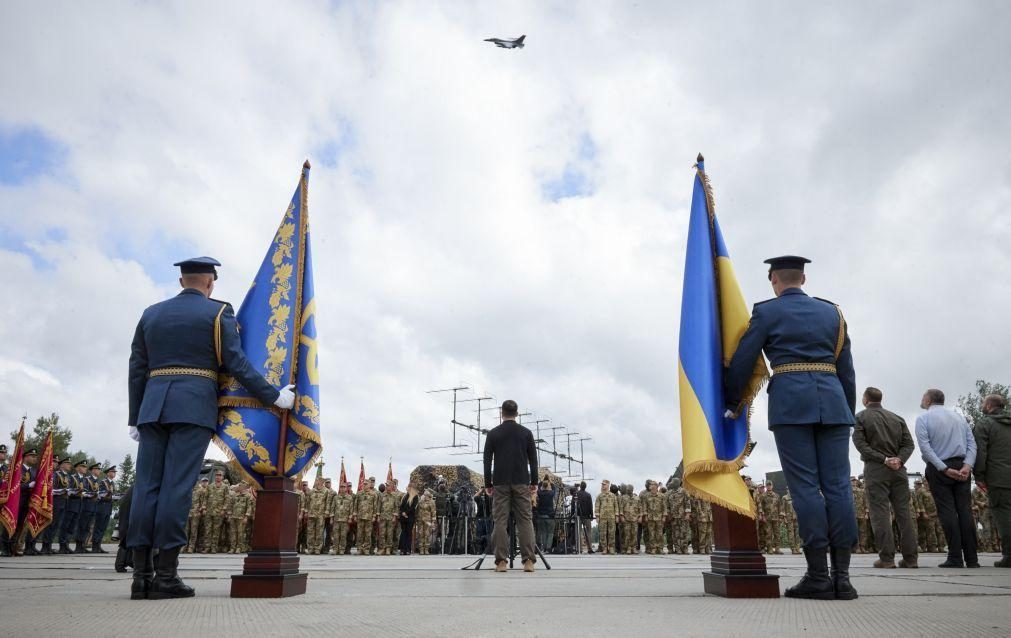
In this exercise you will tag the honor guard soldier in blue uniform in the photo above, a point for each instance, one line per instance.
(103, 509)
(61, 481)
(54, 525)
(812, 401)
(179, 347)
(89, 507)
(72, 515)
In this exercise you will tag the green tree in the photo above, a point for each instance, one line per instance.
(126, 474)
(35, 437)
(971, 404)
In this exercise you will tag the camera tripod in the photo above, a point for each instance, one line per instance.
(513, 549)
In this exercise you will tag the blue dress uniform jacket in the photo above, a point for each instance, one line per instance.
(187, 331)
(796, 328)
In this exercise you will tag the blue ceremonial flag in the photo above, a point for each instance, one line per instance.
(277, 324)
(713, 319)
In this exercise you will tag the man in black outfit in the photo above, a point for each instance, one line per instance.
(585, 511)
(511, 448)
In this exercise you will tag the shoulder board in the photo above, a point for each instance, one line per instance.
(764, 302)
(826, 301)
(224, 303)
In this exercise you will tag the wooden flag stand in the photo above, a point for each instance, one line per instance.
(738, 567)
(271, 566)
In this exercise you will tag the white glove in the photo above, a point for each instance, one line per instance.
(134, 434)
(729, 414)
(32, 484)
(286, 399)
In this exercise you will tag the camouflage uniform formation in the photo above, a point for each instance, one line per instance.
(768, 514)
(366, 512)
(240, 512)
(214, 516)
(424, 522)
(196, 517)
(341, 509)
(606, 510)
(631, 515)
(389, 512)
(788, 520)
(654, 509)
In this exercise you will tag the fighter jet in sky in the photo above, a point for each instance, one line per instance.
(516, 43)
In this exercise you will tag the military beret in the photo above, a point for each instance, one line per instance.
(96, 466)
(199, 265)
(786, 262)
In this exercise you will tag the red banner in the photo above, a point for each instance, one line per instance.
(40, 506)
(344, 476)
(10, 491)
(361, 477)
(389, 476)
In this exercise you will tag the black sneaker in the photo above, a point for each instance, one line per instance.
(949, 563)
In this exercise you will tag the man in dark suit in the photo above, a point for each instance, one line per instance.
(812, 400)
(72, 514)
(178, 349)
(89, 507)
(511, 449)
(55, 529)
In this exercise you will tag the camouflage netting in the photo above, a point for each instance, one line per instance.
(457, 477)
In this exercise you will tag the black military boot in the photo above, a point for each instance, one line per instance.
(65, 549)
(79, 548)
(816, 583)
(121, 555)
(841, 574)
(47, 549)
(167, 583)
(5, 549)
(30, 549)
(96, 548)
(143, 573)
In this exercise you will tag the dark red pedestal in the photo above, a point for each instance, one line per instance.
(271, 567)
(738, 567)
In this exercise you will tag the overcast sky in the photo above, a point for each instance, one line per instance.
(512, 221)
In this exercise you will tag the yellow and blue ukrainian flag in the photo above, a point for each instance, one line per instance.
(713, 319)
(277, 325)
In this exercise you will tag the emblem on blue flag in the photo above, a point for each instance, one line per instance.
(277, 325)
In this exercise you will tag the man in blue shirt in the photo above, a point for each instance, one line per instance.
(812, 400)
(949, 450)
(178, 349)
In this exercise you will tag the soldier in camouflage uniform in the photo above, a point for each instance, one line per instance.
(769, 515)
(214, 515)
(631, 515)
(788, 520)
(863, 517)
(654, 510)
(239, 514)
(316, 516)
(366, 512)
(389, 513)
(424, 521)
(196, 517)
(605, 509)
(680, 512)
(702, 526)
(341, 510)
(984, 523)
(926, 514)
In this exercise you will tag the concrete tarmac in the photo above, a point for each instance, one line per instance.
(588, 595)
